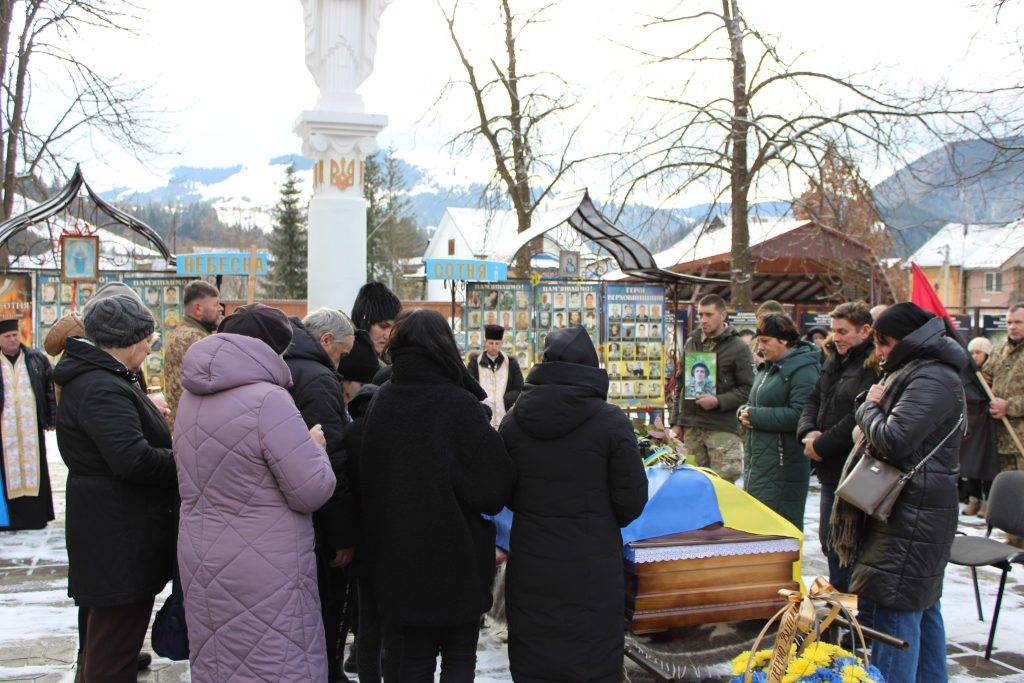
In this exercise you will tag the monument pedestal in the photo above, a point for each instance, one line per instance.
(337, 142)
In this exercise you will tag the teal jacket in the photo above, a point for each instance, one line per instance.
(775, 469)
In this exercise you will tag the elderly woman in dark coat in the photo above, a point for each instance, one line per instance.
(580, 480)
(918, 409)
(121, 485)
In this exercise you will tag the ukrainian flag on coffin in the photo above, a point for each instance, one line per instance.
(686, 499)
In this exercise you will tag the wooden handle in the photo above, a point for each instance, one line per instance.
(1006, 422)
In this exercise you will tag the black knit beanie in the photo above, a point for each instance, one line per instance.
(902, 319)
(375, 303)
(361, 363)
(268, 324)
(118, 322)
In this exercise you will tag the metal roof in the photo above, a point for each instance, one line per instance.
(62, 200)
(577, 210)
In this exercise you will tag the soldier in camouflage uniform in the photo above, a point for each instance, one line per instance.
(708, 425)
(1004, 371)
(202, 312)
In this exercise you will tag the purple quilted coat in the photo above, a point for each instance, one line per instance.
(249, 477)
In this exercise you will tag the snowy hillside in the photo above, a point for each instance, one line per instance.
(245, 194)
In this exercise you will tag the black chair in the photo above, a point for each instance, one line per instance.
(1005, 512)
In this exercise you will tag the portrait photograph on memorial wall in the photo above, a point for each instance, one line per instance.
(16, 302)
(53, 298)
(163, 296)
(634, 348)
(499, 303)
(565, 304)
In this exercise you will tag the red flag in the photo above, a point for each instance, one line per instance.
(923, 294)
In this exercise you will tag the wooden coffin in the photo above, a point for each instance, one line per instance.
(710, 575)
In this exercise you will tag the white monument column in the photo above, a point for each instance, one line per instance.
(341, 39)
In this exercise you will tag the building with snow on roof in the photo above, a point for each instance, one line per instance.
(795, 262)
(493, 235)
(975, 265)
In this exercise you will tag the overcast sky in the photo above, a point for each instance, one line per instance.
(231, 77)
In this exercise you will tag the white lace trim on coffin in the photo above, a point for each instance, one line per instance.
(693, 552)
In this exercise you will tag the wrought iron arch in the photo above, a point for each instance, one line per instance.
(63, 199)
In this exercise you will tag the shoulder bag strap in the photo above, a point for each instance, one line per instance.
(908, 475)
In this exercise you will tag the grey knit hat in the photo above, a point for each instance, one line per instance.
(118, 321)
(111, 289)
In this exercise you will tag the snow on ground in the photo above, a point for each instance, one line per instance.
(38, 623)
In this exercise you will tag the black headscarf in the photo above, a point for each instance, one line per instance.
(570, 345)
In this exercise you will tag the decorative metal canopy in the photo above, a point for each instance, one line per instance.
(634, 259)
(63, 199)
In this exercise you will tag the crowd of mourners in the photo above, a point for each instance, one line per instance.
(300, 480)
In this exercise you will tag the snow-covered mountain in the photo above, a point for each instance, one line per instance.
(245, 195)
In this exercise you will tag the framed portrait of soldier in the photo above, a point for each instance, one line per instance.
(700, 369)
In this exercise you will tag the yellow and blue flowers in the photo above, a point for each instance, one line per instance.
(819, 662)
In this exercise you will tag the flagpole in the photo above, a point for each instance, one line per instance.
(1006, 422)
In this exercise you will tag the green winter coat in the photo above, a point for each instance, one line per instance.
(775, 469)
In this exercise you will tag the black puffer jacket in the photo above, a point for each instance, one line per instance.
(122, 485)
(901, 562)
(580, 479)
(431, 465)
(316, 390)
(829, 408)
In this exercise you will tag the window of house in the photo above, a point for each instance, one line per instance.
(451, 247)
(994, 282)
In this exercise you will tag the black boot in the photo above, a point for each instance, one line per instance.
(145, 659)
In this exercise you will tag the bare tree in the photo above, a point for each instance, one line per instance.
(777, 122)
(518, 114)
(36, 42)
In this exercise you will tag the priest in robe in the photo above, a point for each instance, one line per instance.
(498, 373)
(27, 408)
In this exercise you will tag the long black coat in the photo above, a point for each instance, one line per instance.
(122, 485)
(33, 512)
(430, 466)
(581, 478)
(316, 390)
(901, 562)
(830, 407)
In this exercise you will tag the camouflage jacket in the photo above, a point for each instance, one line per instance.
(1004, 371)
(178, 342)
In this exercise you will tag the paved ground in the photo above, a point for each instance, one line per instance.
(38, 622)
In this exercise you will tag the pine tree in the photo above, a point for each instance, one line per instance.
(288, 242)
(392, 235)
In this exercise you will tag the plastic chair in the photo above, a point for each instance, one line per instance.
(1006, 513)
